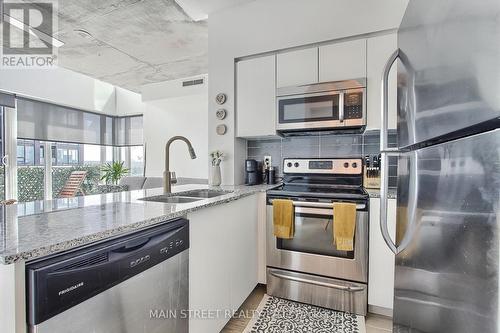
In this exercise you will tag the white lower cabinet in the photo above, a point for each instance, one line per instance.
(222, 262)
(381, 262)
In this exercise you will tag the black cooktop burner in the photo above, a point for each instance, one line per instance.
(308, 190)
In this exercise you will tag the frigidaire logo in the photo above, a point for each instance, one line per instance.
(67, 290)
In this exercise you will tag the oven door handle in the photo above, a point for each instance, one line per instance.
(320, 204)
(316, 283)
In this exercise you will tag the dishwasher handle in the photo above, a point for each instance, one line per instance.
(144, 242)
(119, 252)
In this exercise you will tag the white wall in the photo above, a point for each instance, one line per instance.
(65, 87)
(174, 88)
(269, 25)
(128, 102)
(60, 86)
(186, 116)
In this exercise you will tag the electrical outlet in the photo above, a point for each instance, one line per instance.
(267, 162)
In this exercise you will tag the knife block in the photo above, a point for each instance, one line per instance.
(371, 174)
(371, 181)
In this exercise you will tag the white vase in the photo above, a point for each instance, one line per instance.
(215, 176)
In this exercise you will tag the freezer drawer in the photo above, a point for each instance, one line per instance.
(316, 290)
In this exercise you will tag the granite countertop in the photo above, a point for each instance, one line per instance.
(40, 228)
(391, 194)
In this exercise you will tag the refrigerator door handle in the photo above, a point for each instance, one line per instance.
(385, 151)
(412, 204)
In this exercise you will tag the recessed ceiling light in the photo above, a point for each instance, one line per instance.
(84, 33)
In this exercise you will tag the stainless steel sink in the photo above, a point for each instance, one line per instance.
(171, 199)
(203, 193)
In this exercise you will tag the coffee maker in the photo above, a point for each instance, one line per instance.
(253, 174)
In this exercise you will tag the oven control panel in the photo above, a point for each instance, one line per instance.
(350, 166)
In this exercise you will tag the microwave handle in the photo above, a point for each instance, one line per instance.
(341, 107)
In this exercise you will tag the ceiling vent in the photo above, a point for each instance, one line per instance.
(192, 82)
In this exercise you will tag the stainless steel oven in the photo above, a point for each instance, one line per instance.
(323, 106)
(308, 268)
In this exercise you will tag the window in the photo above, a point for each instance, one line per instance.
(29, 152)
(133, 158)
(20, 155)
(30, 170)
(66, 154)
(92, 154)
(42, 155)
(109, 154)
(137, 161)
(68, 157)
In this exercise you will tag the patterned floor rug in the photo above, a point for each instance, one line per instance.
(277, 315)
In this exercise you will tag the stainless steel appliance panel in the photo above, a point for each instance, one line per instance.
(126, 307)
(321, 106)
(341, 265)
(449, 69)
(320, 291)
(446, 277)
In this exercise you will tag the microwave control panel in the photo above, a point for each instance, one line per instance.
(353, 105)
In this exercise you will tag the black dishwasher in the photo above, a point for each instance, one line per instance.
(135, 283)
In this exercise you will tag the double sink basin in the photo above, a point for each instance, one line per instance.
(186, 196)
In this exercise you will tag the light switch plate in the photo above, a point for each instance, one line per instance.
(267, 162)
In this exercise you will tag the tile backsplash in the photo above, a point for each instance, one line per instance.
(322, 146)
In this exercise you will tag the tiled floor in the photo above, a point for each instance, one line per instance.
(374, 323)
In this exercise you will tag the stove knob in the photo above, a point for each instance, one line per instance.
(346, 165)
(296, 164)
(355, 165)
(289, 164)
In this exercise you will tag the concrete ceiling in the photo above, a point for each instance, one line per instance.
(130, 43)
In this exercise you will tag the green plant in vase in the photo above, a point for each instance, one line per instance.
(113, 172)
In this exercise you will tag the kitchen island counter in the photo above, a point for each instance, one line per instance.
(41, 228)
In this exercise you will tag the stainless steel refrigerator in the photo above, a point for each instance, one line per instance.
(448, 217)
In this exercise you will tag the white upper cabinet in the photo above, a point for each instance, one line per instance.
(342, 61)
(379, 50)
(297, 67)
(256, 97)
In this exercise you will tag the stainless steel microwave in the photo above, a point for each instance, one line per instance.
(322, 106)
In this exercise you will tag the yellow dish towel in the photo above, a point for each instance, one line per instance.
(283, 218)
(344, 225)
